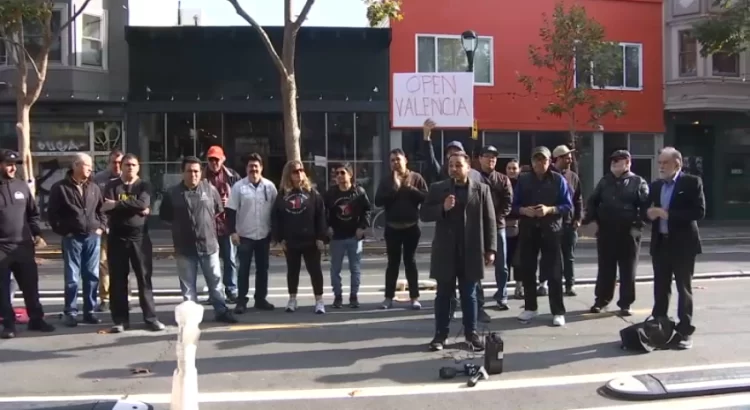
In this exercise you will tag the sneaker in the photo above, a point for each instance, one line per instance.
(482, 316)
(518, 294)
(40, 325)
(70, 321)
(475, 343)
(103, 307)
(387, 304)
(291, 306)
(597, 309)
(415, 305)
(155, 326)
(542, 290)
(625, 312)
(338, 303)
(502, 306)
(231, 298)
(91, 319)
(263, 305)
(353, 302)
(320, 307)
(226, 317)
(527, 315)
(8, 333)
(558, 320)
(119, 328)
(438, 343)
(685, 343)
(569, 291)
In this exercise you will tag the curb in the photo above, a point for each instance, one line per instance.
(378, 248)
(427, 285)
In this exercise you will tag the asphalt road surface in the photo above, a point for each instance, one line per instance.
(716, 259)
(371, 359)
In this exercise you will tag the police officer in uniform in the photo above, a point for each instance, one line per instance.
(618, 205)
(20, 231)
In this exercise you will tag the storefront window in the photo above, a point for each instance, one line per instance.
(340, 136)
(8, 136)
(737, 179)
(180, 136)
(506, 144)
(107, 136)
(313, 135)
(368, 140)
(51, 138)
(151, 132)
(209, 132)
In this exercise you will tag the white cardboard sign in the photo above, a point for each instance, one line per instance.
(446, 98)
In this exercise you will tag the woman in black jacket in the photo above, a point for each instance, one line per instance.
(298, 223)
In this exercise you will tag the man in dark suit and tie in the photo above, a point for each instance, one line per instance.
(677, 204)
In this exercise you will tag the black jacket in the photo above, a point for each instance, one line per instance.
(502, 194)
(550, 190)
(618, 202)
(75, 208)
(687, 206)
(402, 204)
(191, 214)
(299, 218)
(19, 213)
(347, 211)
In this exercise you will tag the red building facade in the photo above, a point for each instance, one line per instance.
(428, 40)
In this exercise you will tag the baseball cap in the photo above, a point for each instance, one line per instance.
(620, 154)
(489, 149)
(541, 151)
(215, 152)
(561, 150)
(455, 144)
(10, 157)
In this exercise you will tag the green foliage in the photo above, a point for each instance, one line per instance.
(571, 41)
(382, 11)
(13, 13)
(727, 29)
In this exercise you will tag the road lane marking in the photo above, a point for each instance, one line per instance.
(271, 326)
(383, 391)
(696, 403)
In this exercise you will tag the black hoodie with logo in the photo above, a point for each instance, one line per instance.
(299, 218)
(347, 211)
(19, 213)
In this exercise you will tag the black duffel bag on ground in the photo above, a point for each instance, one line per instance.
(652, 334)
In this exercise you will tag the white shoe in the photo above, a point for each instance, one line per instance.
(320, 307)
(291, 306)
(527, 315)
(558, 320)
(415, 305)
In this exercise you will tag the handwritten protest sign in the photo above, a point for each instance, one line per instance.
(446, 98)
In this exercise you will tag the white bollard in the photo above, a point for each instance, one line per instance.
(189, 316)
(126, 404)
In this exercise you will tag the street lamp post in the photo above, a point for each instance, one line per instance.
(470, 42)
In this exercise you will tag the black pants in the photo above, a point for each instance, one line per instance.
(20, 260)
(668, 262)
(122, 254)
(532, 241)
(511, 244)
(260, 249)
(398, 243)
(616, 248)
(311, 255)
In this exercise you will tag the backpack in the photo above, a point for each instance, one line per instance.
(649, 335)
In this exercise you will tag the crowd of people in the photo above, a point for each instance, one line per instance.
(221, 223)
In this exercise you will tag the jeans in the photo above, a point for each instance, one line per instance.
(81, 258)
(187, 270)
(568, 246)
(352, 249)
(446, 291)
(501, 268)
(228, 255)
(260, 249)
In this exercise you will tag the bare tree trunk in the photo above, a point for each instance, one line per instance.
(23, 129)
(291, 119)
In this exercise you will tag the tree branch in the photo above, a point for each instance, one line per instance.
(73, 18)
(263, 36)
(303, 14)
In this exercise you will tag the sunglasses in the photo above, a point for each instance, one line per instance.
(298, 171)
(342, 173)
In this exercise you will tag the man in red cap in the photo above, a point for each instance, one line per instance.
(223, 178)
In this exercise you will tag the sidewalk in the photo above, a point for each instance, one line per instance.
(711, 232)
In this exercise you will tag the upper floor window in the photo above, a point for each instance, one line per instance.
(628, 76)
(687, 53)
(445, 54)
(725, 64)
(92, 41)
(33, 37)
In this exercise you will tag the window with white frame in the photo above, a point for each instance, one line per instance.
(629, 76)
(33, 34)
(445, 54)
(92, 41)
(687, 53)
(725, 64)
